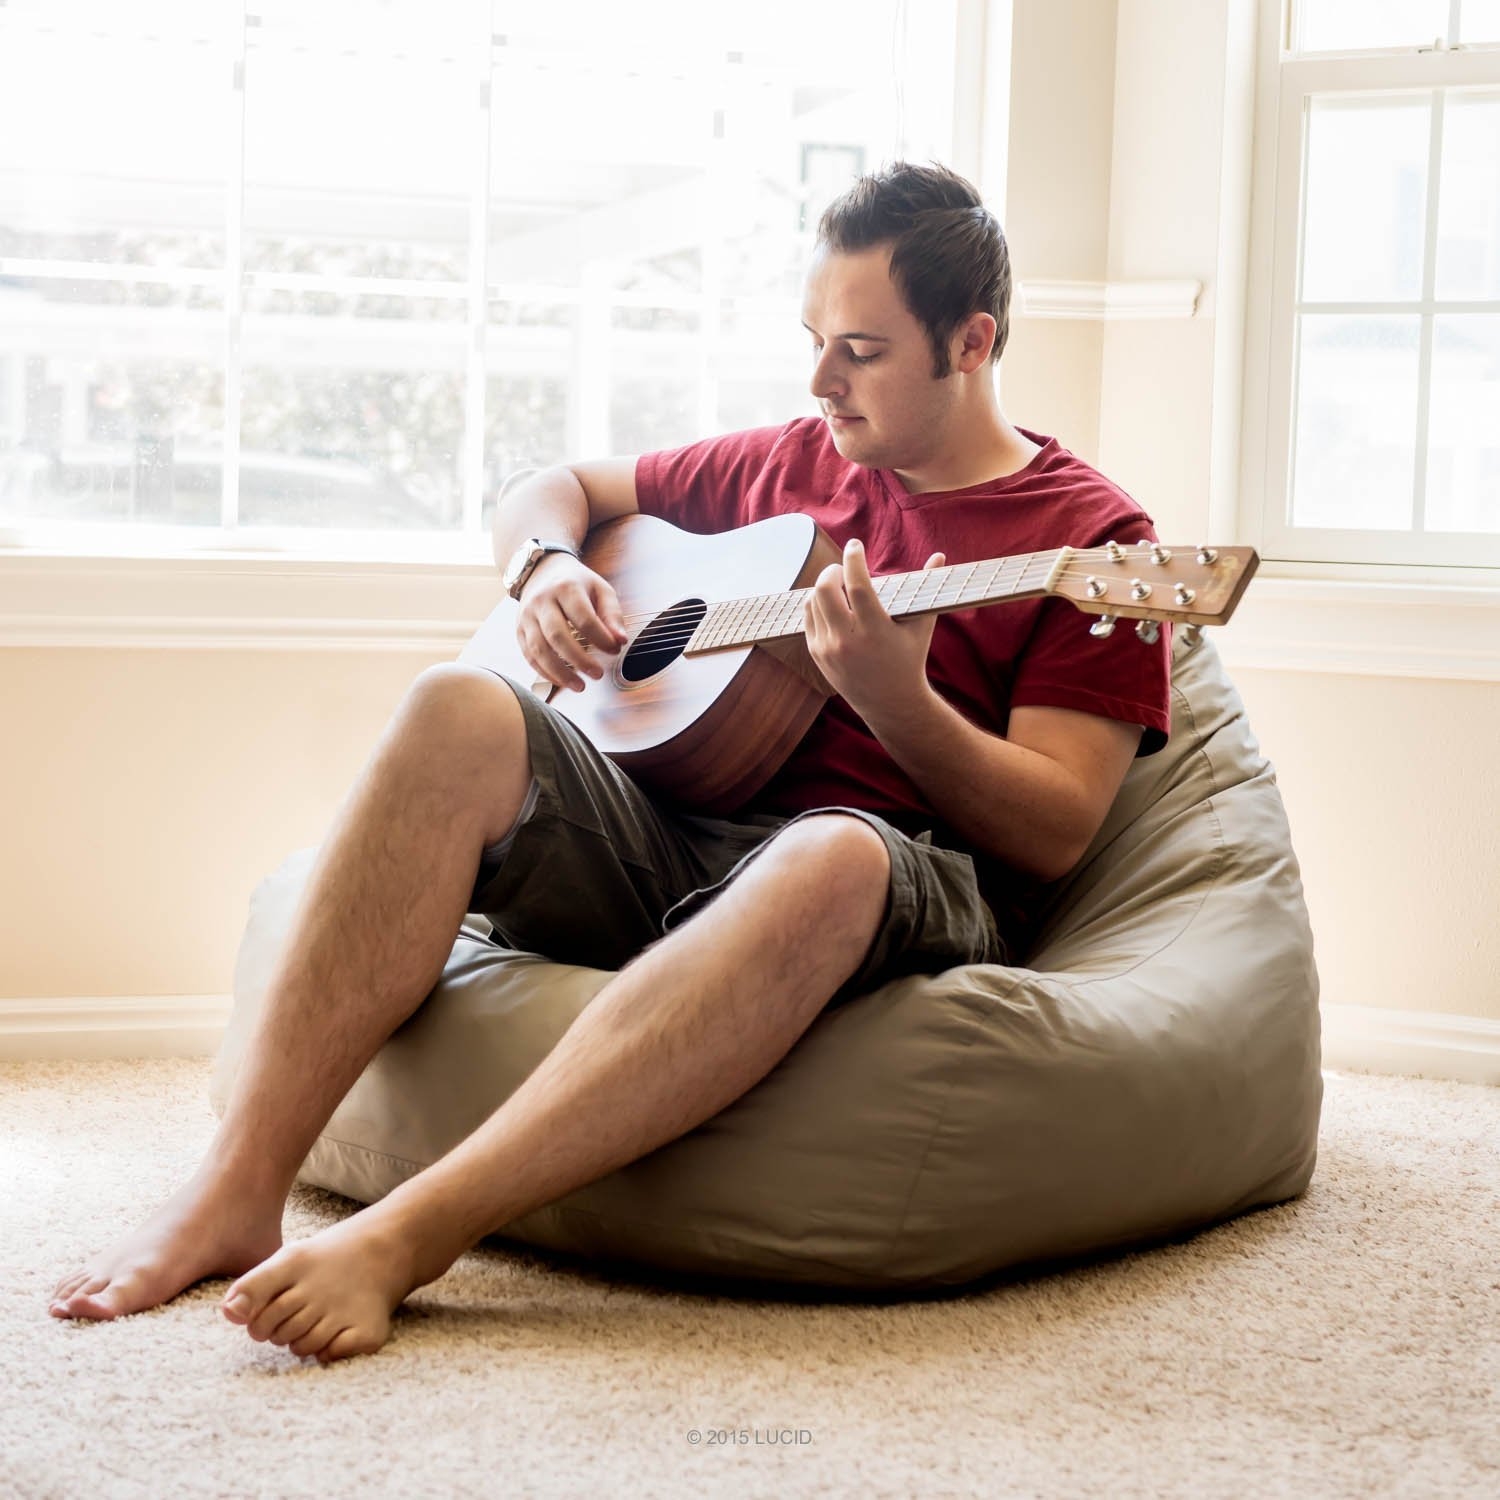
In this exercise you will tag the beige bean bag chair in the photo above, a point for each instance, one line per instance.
(1154, 1069)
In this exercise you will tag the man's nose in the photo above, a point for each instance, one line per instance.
(826, 380)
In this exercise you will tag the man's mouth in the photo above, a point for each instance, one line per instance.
(842, 419)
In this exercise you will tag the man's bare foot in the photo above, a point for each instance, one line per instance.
(332, 1294)
(207, 1228)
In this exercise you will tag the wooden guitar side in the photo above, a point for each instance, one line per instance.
(708, 731)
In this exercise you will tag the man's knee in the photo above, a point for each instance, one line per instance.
(464, 726)
(838, 852)
(456, 703)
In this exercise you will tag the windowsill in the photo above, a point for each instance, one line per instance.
(245, 600)
(1294, 616)
(1306, 617)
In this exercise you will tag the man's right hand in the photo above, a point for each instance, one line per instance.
(570, 615)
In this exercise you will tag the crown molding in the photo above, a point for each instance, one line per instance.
(1109, 301)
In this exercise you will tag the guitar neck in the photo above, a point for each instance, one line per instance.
(775, 617)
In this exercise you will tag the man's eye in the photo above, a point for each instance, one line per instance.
(862, 359)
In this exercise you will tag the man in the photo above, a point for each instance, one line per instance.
(962, 765)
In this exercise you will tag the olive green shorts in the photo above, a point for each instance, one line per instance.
(594, 871)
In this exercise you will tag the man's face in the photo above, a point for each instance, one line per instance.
(873, 363)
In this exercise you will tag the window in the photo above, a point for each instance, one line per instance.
(1373, 400)
(320, 278)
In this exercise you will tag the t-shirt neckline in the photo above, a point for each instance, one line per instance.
(1048, 449)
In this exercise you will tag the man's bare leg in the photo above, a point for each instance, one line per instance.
(679, 1034)
(375, 926)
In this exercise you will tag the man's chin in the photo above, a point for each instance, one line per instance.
(852, 440)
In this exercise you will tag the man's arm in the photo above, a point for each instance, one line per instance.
(1034, 799)
(563, 600)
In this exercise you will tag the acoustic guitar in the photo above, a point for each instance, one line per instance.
(715, 685)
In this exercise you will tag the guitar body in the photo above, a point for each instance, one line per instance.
(705, 731)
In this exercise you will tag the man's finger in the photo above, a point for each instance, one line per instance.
(863, 599)
(569, 642)
(545, 661)
(606, 604)
(827, 593)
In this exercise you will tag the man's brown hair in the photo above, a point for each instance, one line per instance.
(948, 255)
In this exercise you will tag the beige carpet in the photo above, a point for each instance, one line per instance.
(1344, 1345)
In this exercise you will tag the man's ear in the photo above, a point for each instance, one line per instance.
(973, 341)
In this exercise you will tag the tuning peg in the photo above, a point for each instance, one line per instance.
(1206, 557)
(1149, 631)
(1114, 552)
(1159, 555)
(1191, 635)
(1103, 627)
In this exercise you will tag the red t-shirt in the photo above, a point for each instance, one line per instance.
(982, 661)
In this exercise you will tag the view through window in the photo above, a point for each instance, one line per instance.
(1387, 346)
(270, 270)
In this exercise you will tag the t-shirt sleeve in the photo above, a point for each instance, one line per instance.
(703, 486)
(1116, 677)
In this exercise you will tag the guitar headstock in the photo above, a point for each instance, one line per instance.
(1193, 586)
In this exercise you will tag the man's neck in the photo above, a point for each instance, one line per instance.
(1001, 452)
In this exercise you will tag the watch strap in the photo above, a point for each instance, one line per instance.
(539, 550)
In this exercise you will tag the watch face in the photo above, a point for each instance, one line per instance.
(520, 561)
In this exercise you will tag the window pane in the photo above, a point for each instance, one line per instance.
(1356, 421)
(1463, 461)
(1468, 255)
(1479, 21)
(722, 149)
(95, 162)
(354, 396)
(115, 400)
(1350, 25)
(1366, 200)
(354, 148)
(360, 444)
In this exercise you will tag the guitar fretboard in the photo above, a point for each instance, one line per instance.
(771, 617)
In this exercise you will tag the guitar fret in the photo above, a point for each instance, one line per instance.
(784, 618)
(764, 613)
(893, 606)
(713, 624)
(738, 622)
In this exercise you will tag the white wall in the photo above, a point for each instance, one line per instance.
(147, 791)
(1387, 780)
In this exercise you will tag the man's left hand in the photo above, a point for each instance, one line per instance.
(879, 665)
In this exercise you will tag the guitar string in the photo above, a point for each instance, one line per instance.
(670, 630)
(940, 599)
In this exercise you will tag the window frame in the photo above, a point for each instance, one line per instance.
(959, 41)
(1425, 561)
(153, 588)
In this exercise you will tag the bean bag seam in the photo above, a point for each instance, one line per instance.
(705, 1236)
(404, 1161)
(937, 1125)
(1221, 856)
(1221, 860)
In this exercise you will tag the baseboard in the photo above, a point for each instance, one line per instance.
(1356, 1038)
(112, 1027)
(1413, 1043)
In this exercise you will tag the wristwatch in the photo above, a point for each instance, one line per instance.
(523, 562)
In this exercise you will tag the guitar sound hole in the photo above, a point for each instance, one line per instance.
(662, 641)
